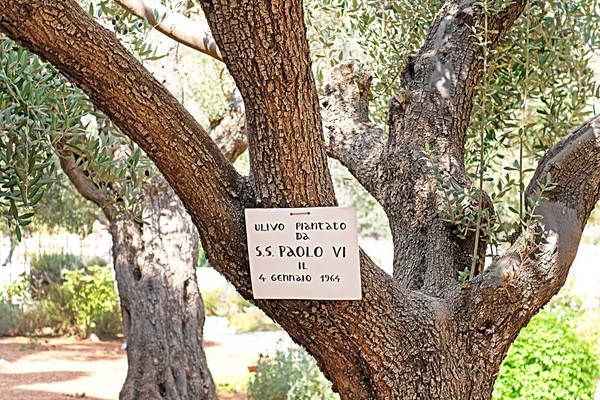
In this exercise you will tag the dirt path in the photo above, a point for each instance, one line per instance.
(65, 368)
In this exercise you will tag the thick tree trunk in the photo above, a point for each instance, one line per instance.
(163, 312)
(418, 334)
(155, 265)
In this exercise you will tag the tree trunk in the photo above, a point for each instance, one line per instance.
(155, 265)
(163, 312)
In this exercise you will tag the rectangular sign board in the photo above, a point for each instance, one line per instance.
(304, 253)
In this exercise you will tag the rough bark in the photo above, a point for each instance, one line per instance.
(351, 137)
(276, 75)
(155, 265)
(434, 107)
(417, 335)
(163, 312)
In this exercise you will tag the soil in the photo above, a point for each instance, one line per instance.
(65, 368)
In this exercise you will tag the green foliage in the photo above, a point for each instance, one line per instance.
(93, 297)
(62, 208)
(131, 30)
(36, 104)
(369, 31)
(292, 374)
(550, 360)
(17, 290)
(22, 319)
(202, 261)
(207, 94)
(211, 300)
(241, 314)
(46, 270)
(462, 211)
(537, 87)
(85, 302)
(222, 302)
(70, 295)
(40, 114)
(252, 319)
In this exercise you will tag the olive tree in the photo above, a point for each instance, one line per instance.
(418, 334)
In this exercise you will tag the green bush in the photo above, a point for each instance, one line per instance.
(10, 316)
(94, 298)
(86, 301)
(20, 320)
(223, 302)
(18, 290)
(58, 305)
(549, 360)
(292, 374)
(252, 320)
(241, 314)
(211, 301)
(202, 261)
(47, 270)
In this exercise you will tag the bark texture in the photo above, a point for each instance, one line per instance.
(155, 265)
(418, 334)
(163, 312)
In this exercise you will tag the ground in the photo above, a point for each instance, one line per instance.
(67, 368)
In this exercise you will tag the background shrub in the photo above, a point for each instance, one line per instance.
(10, 316)
(45, 270)
(81, 300)
(252, 319)
(292, 374)
(240, 313)
(22, 319)
(550, 360)
(94, 300)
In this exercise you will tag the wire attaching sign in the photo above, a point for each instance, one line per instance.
(304, 253)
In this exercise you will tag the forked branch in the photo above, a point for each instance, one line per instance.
(351, 137)
(266, 51)
(439, 84)
(534, 269)
(82, 183)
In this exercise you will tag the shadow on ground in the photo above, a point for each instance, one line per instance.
(21, 386)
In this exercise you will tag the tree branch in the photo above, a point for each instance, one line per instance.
(351, 138)
(433, 108)
(520, 282)
(229, 131)
(92, 57)
(440, 83)
(350, 135)
(81, 182)
(271, 68)
(174, 25)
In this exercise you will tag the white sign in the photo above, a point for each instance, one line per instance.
(304, 253)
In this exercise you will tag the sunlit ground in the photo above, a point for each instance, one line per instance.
(66, 368)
